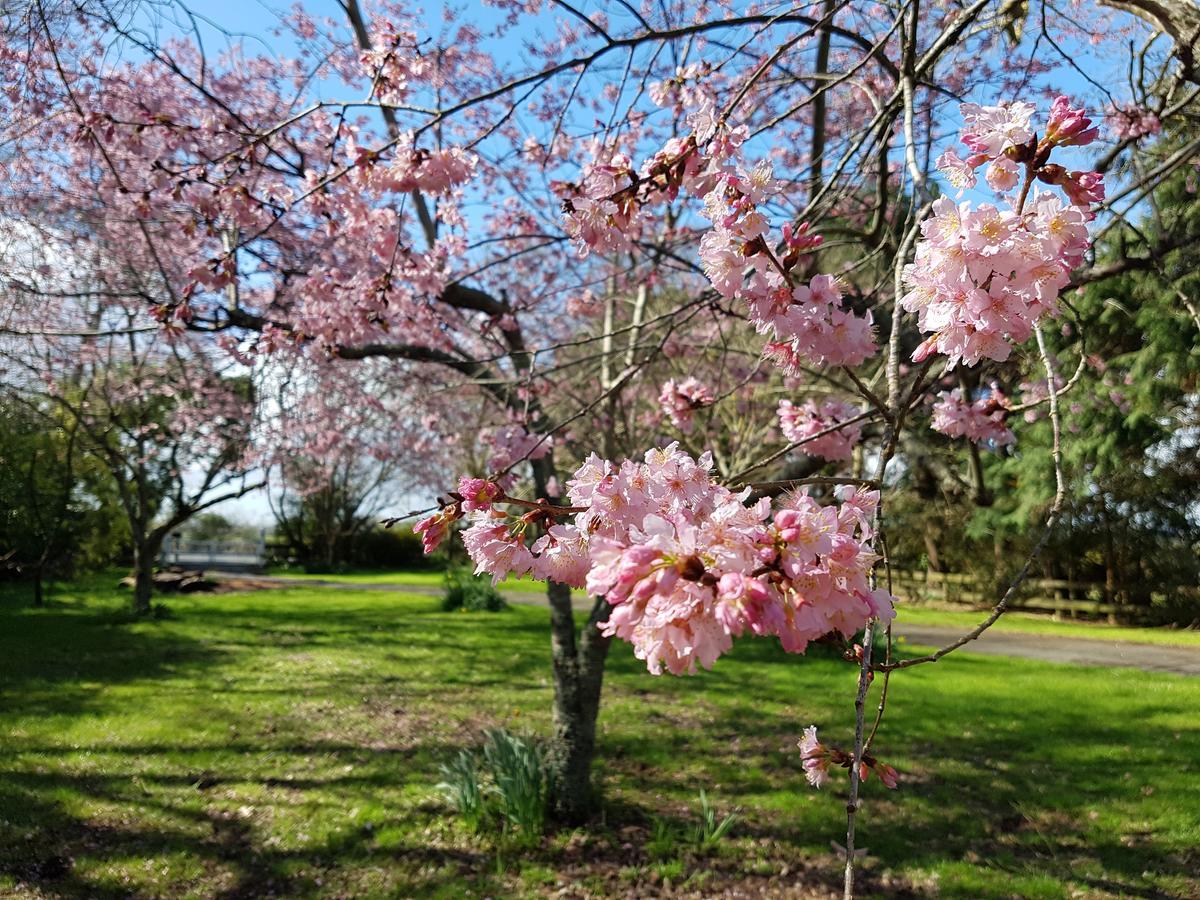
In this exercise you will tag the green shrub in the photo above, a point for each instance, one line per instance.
(392, 548)
(471, 592)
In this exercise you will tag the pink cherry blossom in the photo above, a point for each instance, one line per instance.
(511, 444)
(1068, 126)
(990, 130)
(816, 757)
(983, 276)
(958, 171)
(981, 422)
(799, 423)
(1084, 188)
(477, 493)
(735, 253)
(686, 563)
(436, 528)
(680, 400)
(1132, 122)
(497, 549)
(888, 775)
(561, 555)
(1003, 175)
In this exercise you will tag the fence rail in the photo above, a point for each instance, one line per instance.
(231, 555)
(1074, 598)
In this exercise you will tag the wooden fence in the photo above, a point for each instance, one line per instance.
(1070, 598)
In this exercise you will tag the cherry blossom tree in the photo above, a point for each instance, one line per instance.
(172, 434)
(793, 238)
(344, 447)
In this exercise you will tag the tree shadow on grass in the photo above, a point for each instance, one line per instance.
(156, 798)
(1011, 772)
(982, 773)
(53, 660)
(56, 848)
(176, 810)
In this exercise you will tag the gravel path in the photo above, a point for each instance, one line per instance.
(1071, 650)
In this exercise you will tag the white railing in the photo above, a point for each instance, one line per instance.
(215, 554)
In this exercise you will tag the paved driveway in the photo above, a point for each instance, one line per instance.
(1079, 651)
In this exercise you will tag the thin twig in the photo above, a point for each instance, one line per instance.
(860, 700)
(1060, 493)
(783, 451)
(815, 479)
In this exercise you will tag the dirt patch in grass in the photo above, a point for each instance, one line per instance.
(619, 862)
(242, 585)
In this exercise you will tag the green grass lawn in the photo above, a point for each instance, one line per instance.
(423, 578)
(287, 742)
(965, 620)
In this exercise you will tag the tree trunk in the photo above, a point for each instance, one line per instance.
(577, 660)
(1110, 573)
(931, 552)
(143, 575)
(39, 599)
(578, 663)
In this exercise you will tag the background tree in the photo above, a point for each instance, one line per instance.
(40, 488)
(215, 526)
(349, 447)
(170, 432)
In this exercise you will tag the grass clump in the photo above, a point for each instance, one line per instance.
(672, 840)
(463, 788)
(505, 790)
(709, 831)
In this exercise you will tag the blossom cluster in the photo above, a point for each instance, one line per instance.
(686, 563)
(680, 400)
(510, 444)
(438, 171)
(739, 254)
(687, 88)
(1002, 137)
(799, 424)
(1133, 122)
(807, 323)
(393, 63)
(818, 758)
(983, 277)
(981, 421)
(602, 217)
